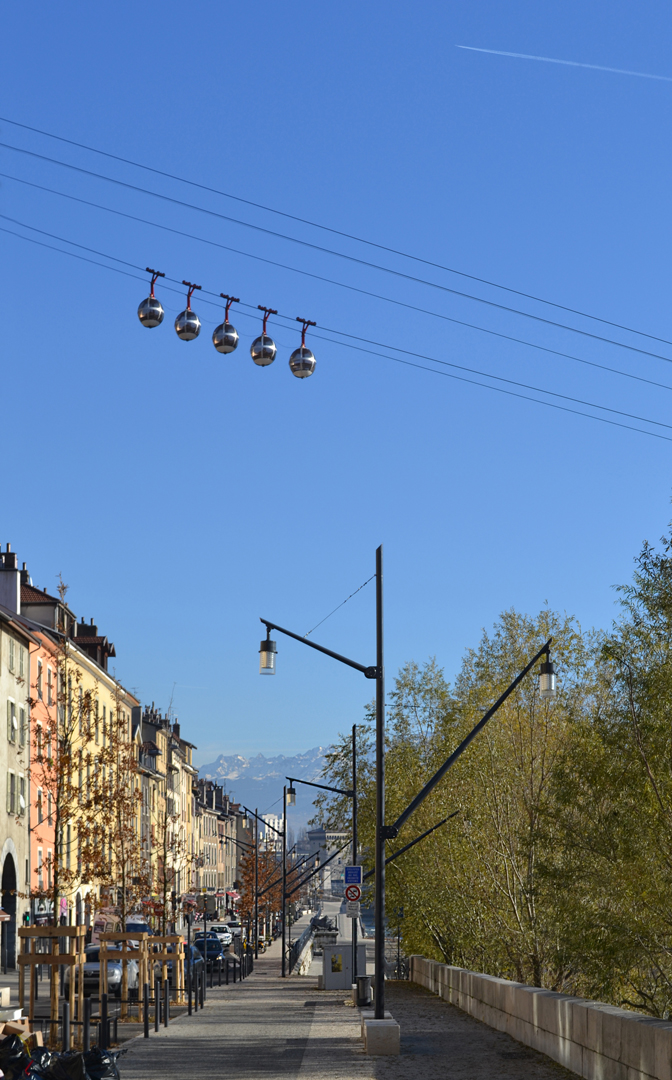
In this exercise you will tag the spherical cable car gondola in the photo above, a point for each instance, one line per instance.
(150, 311)
(187, 323)
(302, 361)
(225, 336)
(263, 348)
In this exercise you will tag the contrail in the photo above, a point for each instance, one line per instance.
(568, 63)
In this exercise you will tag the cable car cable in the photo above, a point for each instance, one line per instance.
(341, 255)
(330, 281)
(409, 363)
(335, 232)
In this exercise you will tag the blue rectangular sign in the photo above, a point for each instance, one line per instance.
(353, 875)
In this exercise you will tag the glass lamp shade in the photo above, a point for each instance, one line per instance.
(267, 652)
(547, 687)
(291, 796)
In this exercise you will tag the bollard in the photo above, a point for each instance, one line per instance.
(66, 1026)
(189, 989)
(86, 1025)
(202, 981)
(35, 969)
(145, 1008)
(102, 1040)
(166, 1002)
(226, 971)
(212, 971)
(157, 1002)
(219, 972)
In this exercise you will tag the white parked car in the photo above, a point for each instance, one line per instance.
(222, 931)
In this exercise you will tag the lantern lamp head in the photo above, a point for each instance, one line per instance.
(547, 687)
(291, 794)
(267, 653)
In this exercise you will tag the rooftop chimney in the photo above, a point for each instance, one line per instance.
(10, 581)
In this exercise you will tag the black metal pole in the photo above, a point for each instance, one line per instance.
(66, 1026)
(354, 843)
(145, 1009)
(86, 1025)
(284, 879)
(379, 911)
(157, 1002)
(103, 1022)
(166, 1002)
(256, 884)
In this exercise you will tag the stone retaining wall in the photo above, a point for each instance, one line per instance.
(593, 1040)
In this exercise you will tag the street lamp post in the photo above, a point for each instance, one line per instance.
(351, 794)
(267, 655)
(257, 819)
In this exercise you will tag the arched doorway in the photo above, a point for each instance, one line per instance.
(8, 888)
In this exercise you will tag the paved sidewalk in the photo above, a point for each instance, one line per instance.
(267, 1027)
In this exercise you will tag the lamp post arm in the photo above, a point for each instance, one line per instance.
(259, 818)
(292, 870)
(417, 840)
(241, 843)
(369, 672)
(392, 830)
(317, 869)
(339, 791)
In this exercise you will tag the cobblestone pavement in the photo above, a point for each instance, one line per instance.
(440, 1041)
(266, 1027)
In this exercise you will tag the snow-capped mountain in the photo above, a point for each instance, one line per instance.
(257, 782)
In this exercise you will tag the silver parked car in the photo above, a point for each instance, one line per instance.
(114, 974)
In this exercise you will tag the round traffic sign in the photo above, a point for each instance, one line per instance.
(352, 893)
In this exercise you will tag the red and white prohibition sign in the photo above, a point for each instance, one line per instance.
(352, 893)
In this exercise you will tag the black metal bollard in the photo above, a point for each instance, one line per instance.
(35, 969)
(202, 988)
(189, 989)
(145, 1008)
(226, 971)
(166, 1002)
(66, 1026)
(219, 972)
(102, 1041)
(86, 1025)
(212, 972)
(157, 1002)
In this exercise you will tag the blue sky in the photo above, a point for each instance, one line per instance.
(183, 494)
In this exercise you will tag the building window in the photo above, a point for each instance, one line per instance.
(12, 724)
(40, 880)
(81, 712)
(11, 658)
(50, 687)
(38, 742)
(39, 808)
(67, 847)
(22, 662)
(23, 726)
(96, 722)
(38, 680)
(105, 726)
(50, 859)
(11, 793)
(49, 822)
(22, 796)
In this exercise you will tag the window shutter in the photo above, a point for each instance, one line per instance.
(9, 721)
(9, 806)
(22, 727)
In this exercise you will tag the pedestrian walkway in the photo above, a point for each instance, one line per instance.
(269, 1027)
